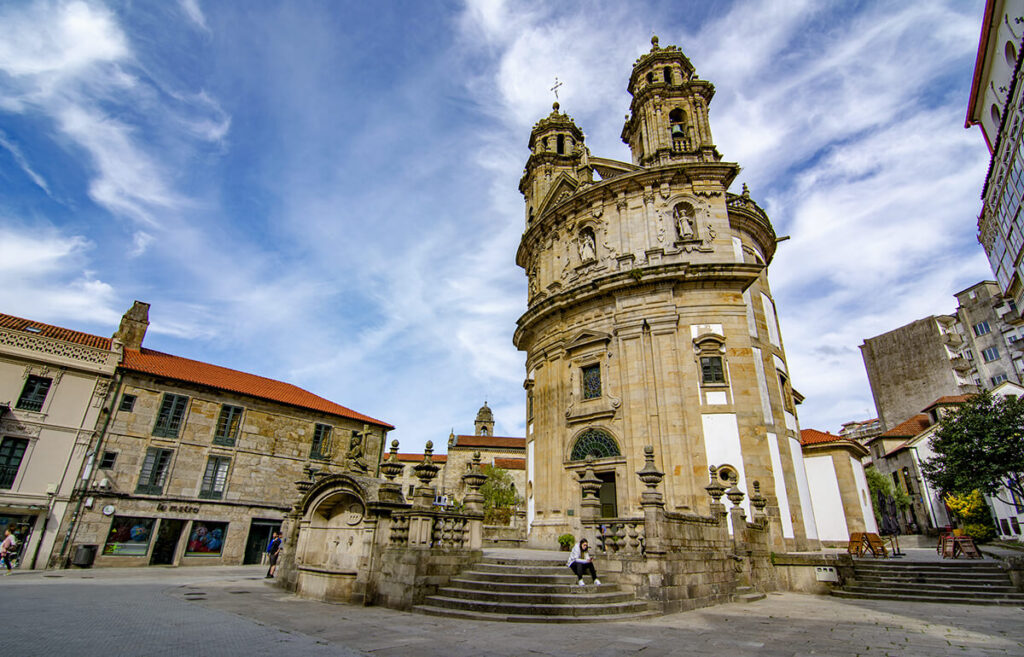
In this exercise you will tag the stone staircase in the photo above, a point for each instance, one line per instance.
(531, 591)
(981, 582)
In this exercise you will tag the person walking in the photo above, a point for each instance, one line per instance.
(581, 562)
(274, 550)
(8, 549)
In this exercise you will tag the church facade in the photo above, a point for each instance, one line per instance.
(650, 320)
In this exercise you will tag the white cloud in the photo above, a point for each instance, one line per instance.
(195, 13)
(44, 277)
(22, 162)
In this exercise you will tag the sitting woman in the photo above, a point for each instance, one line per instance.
(581, 562)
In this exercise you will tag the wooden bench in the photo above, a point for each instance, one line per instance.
(876, 545)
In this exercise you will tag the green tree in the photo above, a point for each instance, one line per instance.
(500, 495)
(980, 446)
(879, 483)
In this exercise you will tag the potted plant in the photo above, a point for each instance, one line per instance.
(566, 541)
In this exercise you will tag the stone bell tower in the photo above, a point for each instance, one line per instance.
(668, 117)
(650, 321)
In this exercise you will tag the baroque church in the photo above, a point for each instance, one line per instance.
(650, 321)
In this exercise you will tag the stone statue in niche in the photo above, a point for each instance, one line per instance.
(533, 282)
(686, 222)
(587, 245)
(356, 450)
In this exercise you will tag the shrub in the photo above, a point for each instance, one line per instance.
(566, 541)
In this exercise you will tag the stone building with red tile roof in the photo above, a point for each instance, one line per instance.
(192, 463)
(837, 484)
(53, 384)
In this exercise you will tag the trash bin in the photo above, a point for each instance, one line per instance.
(84, 556)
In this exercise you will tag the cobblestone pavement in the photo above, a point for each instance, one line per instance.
(233, 611)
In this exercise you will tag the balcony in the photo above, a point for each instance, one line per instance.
(952, 339)
(960, 364)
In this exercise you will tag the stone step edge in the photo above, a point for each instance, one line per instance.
(929, 591)
(511, 587)
(930, 599)
(518, 618)
(933, 585)
(522, 606)
(582, 597)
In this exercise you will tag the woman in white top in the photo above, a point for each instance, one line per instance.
(581, 562)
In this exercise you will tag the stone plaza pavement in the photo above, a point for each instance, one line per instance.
(234, 611)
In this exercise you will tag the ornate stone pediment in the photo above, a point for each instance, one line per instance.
(588, 338)
(563, 187)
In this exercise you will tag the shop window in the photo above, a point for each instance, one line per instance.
(228, 425)
(321, 447)
(206, 539)
(154, 471)
(1004, 526)
(127, 403)
(12, 450)
(129, 537)
(594, 442)
(1015, 526)
(172, 410)
(108, 460)
(34, 393)
(215, 479)
(591, 381)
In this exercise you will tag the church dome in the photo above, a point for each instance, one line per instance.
(484, 414)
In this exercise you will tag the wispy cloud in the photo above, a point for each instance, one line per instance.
(22, 162)
(195, 13)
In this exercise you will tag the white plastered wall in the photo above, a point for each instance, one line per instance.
(802, 488)
(780, 486)
(722, 446)
(864, 495)
(826, 499)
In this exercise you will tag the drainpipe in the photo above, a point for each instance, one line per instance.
(87, 469)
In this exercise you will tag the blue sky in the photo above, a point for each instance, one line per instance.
(326, 192)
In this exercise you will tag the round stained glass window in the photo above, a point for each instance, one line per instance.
(594, 442)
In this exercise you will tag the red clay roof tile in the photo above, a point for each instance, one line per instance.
(510, 464)
(55, 332)
(909, 428)
(418, 458)
(815, 437)
(168, 366)
(497, 442)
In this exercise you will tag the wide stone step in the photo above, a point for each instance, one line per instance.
(529, 609)
(940, 566)
(582, 597)
(524, 563)
(526, 587)
(523, 618)
(519, 577)
(548, 569)
(944, 599)
(936, 590)
(959, 584)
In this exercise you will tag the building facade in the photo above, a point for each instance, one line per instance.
(196, 464)
(997, 106)
(974, 348)
(650, 320)
(839, 488)
(53, 385)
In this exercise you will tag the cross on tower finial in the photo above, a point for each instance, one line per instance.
(555, 88)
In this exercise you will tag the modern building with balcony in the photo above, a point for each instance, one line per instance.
(976, 347)
(997, 98)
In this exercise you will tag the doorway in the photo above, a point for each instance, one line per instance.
(609, 509)
(167, 538)
(260, 532)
